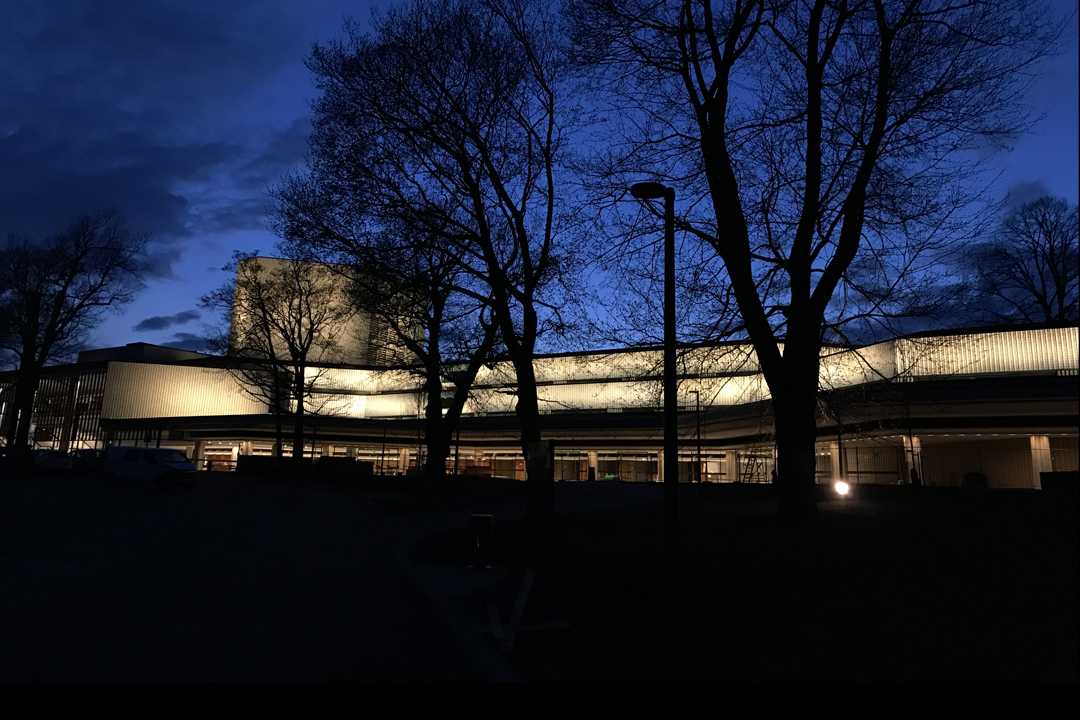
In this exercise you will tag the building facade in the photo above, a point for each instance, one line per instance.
(1000, 404)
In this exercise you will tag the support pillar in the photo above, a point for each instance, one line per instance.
(731, 465)
(660, 465)
(403, 460)
(1041, 460)
(835, 461)
(594, 465)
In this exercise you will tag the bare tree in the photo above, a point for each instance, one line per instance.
(449, 336)
(1029, 272)
(459, 102)
(54, 292)
(409, 281)
(823, 149)
(285, 316)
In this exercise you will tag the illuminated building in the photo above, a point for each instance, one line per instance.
(1003, 403)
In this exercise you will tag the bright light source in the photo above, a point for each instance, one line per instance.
(841, 488)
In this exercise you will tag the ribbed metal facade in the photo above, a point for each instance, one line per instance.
(985, 353)
(723, 376)
(612, 381)
(140, 390)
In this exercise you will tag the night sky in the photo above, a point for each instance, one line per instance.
(182, 115)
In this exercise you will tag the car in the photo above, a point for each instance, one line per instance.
(155, 467)
(51, 460)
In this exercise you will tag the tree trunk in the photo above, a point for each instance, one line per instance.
(279, 433)
(435, 440)
(539, 491)
(795, 416)
(298, 418)
(438, 450)
(26, 386)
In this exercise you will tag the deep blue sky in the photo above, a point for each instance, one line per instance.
(182, 114)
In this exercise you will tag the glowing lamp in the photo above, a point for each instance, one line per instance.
(841, 488)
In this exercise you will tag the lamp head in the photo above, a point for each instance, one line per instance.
(649, 190)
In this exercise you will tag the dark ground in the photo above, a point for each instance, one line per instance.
(945, 585)
(230, 582)
(244, 582)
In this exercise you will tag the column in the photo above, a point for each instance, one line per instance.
(660, 465)
(731, 465)
(594, 465)
(403, 460)
(912, 458)
(1040, 458)
(199, 454)
(837, 472)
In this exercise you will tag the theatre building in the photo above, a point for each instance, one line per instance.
(999, 404)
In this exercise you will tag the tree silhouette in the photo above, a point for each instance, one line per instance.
(1028, 273)
(54, 292)
(457, 118)
(284, 317)
(824, 150)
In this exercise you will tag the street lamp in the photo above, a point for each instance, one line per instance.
(646, 191)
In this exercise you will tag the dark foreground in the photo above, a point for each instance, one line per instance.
(946, 585)
(229, 582)
(239, 581)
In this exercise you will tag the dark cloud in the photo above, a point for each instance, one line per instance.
(189, 341)
(161, 322)
(48, 182)
(140, 107)
(1024, 192)
(160, 258)
(285, 151)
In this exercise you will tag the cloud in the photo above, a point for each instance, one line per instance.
(189, 341)
(161, 322)
(285, 151)
(149, 108)
(1024, 192)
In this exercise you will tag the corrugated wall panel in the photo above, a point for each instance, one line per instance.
(984, 353)
(141, 390)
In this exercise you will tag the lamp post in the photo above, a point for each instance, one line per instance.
(646, 191)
